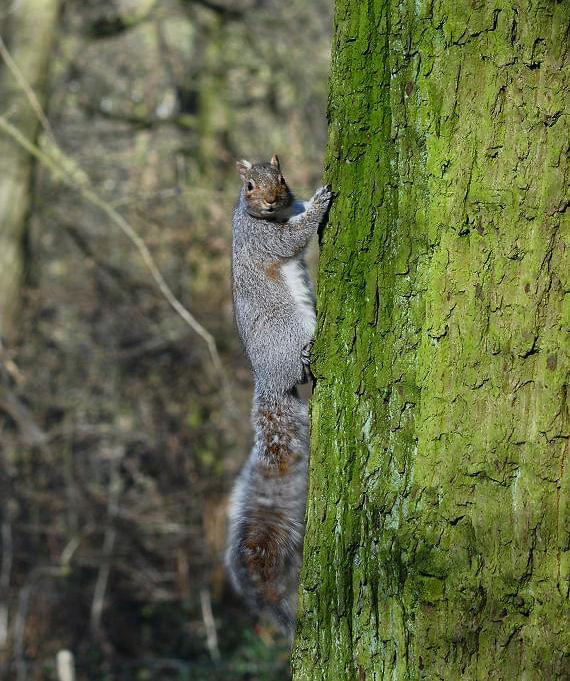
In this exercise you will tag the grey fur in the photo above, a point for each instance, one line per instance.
(274, 311)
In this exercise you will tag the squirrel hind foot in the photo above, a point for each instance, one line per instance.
(308, 375)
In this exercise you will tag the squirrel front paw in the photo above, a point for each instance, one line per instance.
(321, 199)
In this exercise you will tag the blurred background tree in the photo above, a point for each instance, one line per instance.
(118, 444)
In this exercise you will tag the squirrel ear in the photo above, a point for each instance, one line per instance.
(275, 161)
(243, 166)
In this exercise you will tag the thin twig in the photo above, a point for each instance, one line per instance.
(77, 182)
(21, 617)
(23, 83)
(156, 275)
(209, 624)
(109, 538)
(30, 432)
(8, 364)
(5, 571)
(72, 545)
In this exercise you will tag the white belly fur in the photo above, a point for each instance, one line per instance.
(295, 282)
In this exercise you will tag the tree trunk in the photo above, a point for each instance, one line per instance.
(27, 27)
(438, 535)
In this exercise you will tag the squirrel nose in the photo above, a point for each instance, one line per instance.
(271, 199)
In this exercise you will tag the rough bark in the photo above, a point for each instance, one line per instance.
(438, 535)
(28, 28)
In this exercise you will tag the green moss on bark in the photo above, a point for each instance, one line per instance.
(438, 536)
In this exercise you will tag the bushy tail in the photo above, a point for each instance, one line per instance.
(266, 517)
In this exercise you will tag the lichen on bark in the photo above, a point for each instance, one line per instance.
(437, 538)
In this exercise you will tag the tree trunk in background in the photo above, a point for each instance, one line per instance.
(438, 534)
(27, 27)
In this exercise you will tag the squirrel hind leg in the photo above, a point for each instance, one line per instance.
(280, 377)
(308, 375)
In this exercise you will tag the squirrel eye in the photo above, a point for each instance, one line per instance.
(282, 180)
(249, 186)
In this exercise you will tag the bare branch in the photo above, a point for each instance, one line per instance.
(209, 624)
(77, 180)
(5, 571)
(64, 167)
(109, 538)
(30, 432)
(224, 11)
(114, 24)
(23, 83)
(22, 615)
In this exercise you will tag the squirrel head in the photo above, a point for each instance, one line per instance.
(265, 190)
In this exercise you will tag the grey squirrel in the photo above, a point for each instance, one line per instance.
(275, 316)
